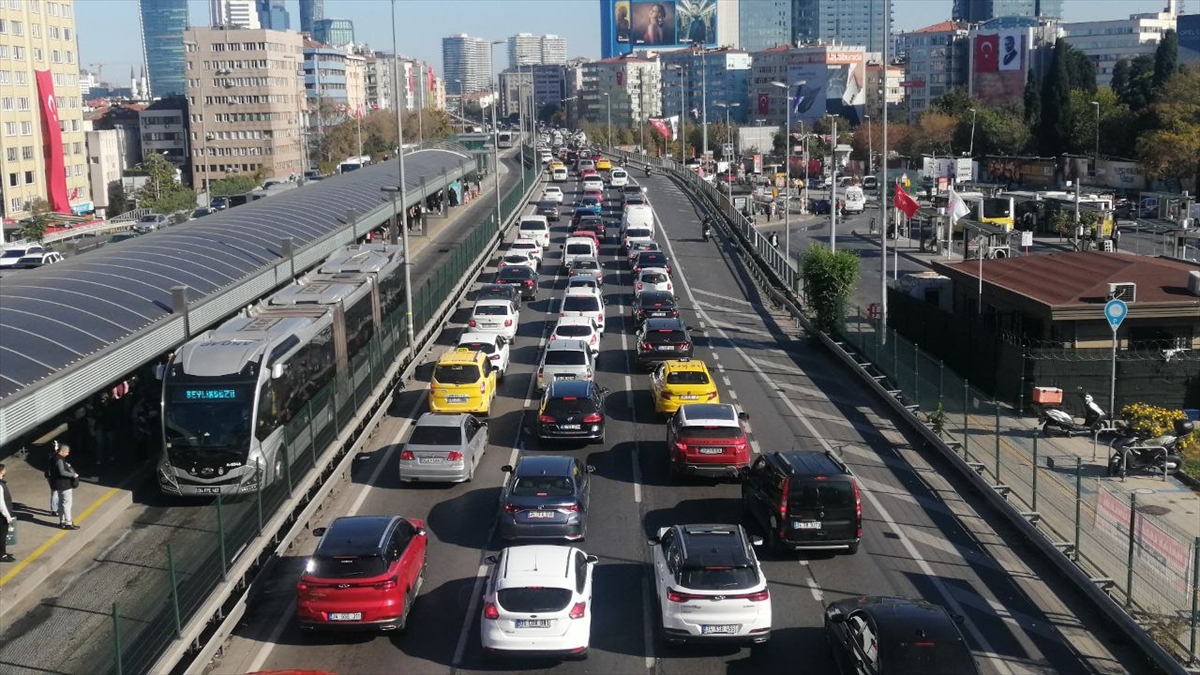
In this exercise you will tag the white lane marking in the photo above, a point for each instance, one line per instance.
(717, 357)
(738, 301)
(264, 652)
(727, 310)
(811, 582)
(472, 607)
(726, 380)
(733, 394)
(637, 468)
(910, 548)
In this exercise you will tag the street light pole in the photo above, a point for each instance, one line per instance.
(1096, 159)
(608, 116)
(971, 151)
(704, 104)
(870, 147)
(883, 182)
(494, 86)
(787, 167)
(833, 187)
(399, 219)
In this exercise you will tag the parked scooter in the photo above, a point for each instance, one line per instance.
(1156, 455)
(1056, 421)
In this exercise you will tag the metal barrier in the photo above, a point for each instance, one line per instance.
(205, 571)
(1141, 572)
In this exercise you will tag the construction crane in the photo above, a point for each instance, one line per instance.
(99, 71)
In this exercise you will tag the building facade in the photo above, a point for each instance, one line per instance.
(936, 59)
(418, 84)
(819, 80)
(325, 74)
(850, 22)
(42, 149)
(706, 84)
(163, 23)
(550, 86)
(234, 13)
(515, 87)
(626, 90)
(334, 32)
(356, 84)
(163, 130)
(245, 104)
(466, 64)
(377, 70)
(1106, 42)
(311, 11)
(764, 23)
(273, 14)
(104, 162)
(879, 91)
(527, 49)
(978, 11)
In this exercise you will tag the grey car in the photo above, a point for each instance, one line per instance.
(443, 448)
(546, 498)
(151, 222)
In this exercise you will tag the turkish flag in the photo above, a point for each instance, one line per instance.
(906, 203)
(764, 103)
(987, 53)
(662, 127)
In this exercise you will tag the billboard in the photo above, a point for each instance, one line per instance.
(829, 83)
(626, 25)
(1188, 26)
(999, 63)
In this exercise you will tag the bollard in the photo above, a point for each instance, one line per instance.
(1078, 502)
(174, 590)
(116, 620)
(1195, 657)
(1035, 470)
(996, 405)
(1133, 524)
(221, 538)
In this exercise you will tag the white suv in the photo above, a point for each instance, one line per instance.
(710, 587)
(552, 193)
(586, 303)
(577, 328)
(495, 316)
(538, 598)
(536, 228)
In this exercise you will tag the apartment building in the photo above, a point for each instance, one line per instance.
(878, 91)
(936, 59)
(711, 82)
(624, 89)
(1107, 42)
(466, 62)
(163, 129)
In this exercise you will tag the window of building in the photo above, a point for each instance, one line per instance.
(29, 178)
(66, 33)
(6, 103)
(20, 77)
(27, 152)
(15, 204)
(26, 128)
(53, 32)
(4, 76)
(10, 128)
(22, 103)
(12, 154)
(3, 51)
(14, 179)
(17, 28)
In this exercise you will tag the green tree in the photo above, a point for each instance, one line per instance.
(237, 184)
(33, 228)
(1166, 59)
(1172, 148)
(829, 279)
(956, 103)
(1033, 101)
(1138, 92)
(162, 193)
(118, 201)
(1120, 78)
(1081, 70)
(1056, 123)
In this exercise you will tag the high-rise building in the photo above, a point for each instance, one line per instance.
(466, 63)
(234, 13)
(334, 32)
(163, 23)
(42, 153)
(515, 87)
(936, 59)
(311, 11)
(273, 14)
(978, 11)
(245, 98)
(527, 49)
(1106, 42)
(848, 22)
(554, 50)
(624, 90)
(1189, 38)
(764, 23)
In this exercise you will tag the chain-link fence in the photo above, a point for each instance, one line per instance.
(184, 573)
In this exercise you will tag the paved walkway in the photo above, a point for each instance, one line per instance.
(104, 493)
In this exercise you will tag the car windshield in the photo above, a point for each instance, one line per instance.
(499, 290)
(718, 578)
(516, 272)
(346, 567)
(687, 377)
(456, 374)
(579, 249)
(581, 303)
(586, 265)
(582, 283)
(664, 336)
(570, 406)
(491, 310)
(565, 357)
(574, 331)
(432, 435)
(698, 431)
(14, 253)
(542, 486)
(657, 301)
(532, 227)
(652, 259)
(808, 494)
(534, 600)
(654, 278)
(516, 258)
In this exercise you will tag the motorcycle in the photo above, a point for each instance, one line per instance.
(706, 231)
(647, 171)
(1060, 422)
(1156, 455)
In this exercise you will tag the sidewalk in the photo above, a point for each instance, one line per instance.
(106, 493)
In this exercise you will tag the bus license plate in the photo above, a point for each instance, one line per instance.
(208, 490)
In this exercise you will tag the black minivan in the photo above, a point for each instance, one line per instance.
(804, 500)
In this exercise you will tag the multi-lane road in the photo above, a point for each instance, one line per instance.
(925, 534)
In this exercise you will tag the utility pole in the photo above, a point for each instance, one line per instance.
(833, 187)
(883, 182)
(704, 104)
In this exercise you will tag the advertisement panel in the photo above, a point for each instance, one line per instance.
(828, 81)
(56, 173)
(1188, 27)
(626, 25)
(1157, 554)
(999, 62)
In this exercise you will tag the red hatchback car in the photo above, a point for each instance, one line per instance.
(708, 439)
(365, 574)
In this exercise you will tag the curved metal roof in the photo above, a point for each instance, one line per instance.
(53, 317)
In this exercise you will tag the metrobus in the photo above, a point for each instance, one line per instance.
(353, 163)
(504, 139)
(1037, 210)
(229, 393)
(996, 211)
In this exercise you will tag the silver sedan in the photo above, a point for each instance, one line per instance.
(443, 448)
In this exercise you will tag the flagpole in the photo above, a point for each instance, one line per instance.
(883, 181)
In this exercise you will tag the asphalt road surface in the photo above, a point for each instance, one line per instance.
(925, 535)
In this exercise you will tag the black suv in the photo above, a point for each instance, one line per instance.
(572, 410)
(662, 340)
(896, 635)
(654, 305)
(520, 277)
(804, 500)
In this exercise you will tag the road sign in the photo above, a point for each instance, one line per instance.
(1115, 311)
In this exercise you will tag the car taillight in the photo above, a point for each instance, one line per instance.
(471, 323)
(529, 283)
(407, 454)
(858, 509)
(740, 447)
(685, 345)
(388, 585)
(572, 507)
(578, 610)
(507, 323)
(644, 345)
(510, 508)
(547, 419)
(760, 596)
(494, 357)
(490, 612)
(669, 287)
(712, 395)
(639, 285)
(301, 587)
(783, 502)
(541, 372)
(503, 264)
(454, 456)
(592, 419)
(600, 319)
(682, 447)
(679, 596)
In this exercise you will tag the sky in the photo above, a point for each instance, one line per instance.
(108, 29)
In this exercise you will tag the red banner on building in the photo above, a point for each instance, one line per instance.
(764, 103)
(411, 67)
(987, 53)
(431, 78)
(56, 172)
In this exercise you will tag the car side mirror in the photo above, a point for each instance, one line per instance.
(589, 468)
(507, 468)
(756, 541)
(835, 616)
(319, 531)
(421, 532)
(491, 560)
(653, 541)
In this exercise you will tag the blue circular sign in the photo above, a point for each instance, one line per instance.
(1115, 311)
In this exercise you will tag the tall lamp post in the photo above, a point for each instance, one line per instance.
(399, 218)
(833, 143)
(728, 126)
(682, 116)
(883, 182)
(870, 147)
(494, 87)
(971, 148)
(787, 166)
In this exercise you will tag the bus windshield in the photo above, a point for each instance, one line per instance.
(997, 207)
(206, 416)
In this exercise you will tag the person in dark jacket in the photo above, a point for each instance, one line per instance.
(64, 481)
(6, 517)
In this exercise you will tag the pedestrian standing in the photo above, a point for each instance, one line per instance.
(52, 457)
(1116, 238)
(65, 480)
(7, 519)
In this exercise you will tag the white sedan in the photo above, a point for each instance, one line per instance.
(552, 193)
(495, 316)
(529, 247)
(492, 344)
(577, 328)
(538, 598)
(653, 279)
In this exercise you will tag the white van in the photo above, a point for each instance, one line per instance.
(559, 174)
(634, 234)
(618, 177)
(856, 202)
(536, 228)
(578, 247)
(638, 215)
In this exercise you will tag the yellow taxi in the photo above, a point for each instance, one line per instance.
(604, 164)
(556, 164)
(464, 381)
(675, 383)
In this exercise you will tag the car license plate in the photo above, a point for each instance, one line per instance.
(345, 616)
(539, 515)
(533, 623)
(806, 525)
(456, 398)
(431, 460)
(721, 629)
(569, 427)
(689, 397)
(666, 348)
(711, 451)
(562, 376)
(208, 490)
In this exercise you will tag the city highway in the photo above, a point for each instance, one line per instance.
(925, 535)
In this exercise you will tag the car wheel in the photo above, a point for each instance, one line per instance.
(408, 603)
